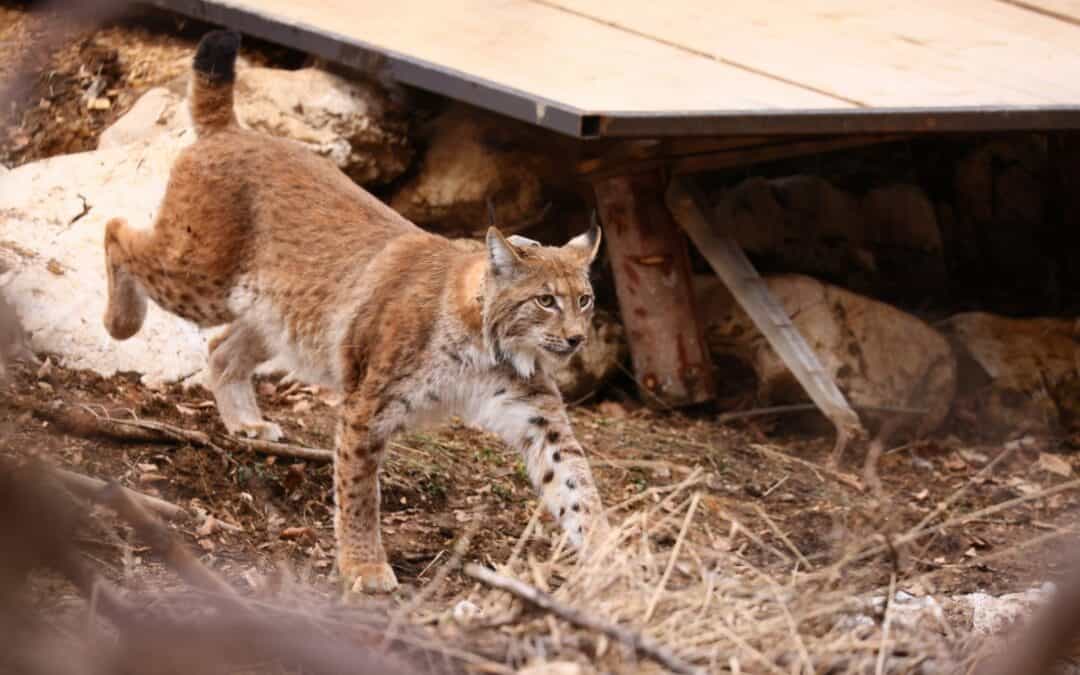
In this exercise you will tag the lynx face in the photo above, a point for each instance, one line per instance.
(538, 300)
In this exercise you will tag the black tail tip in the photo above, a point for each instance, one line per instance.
(215, 57)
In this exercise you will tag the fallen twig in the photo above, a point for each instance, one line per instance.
(84, 421)
(162, 540)
(90, 488)
(723, 418)
(845, 478)
(641, 644)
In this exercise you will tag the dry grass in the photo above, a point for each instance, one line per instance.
(717, 612)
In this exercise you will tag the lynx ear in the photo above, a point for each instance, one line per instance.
(587, 245)
(502, 258)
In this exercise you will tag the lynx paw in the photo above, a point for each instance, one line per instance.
(368, 578)
(264, 431)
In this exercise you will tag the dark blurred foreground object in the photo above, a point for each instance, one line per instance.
(1051, 635)
(208, 628)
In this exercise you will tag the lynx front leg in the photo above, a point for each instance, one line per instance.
(361, 559)
(533, 419)
(234, 356)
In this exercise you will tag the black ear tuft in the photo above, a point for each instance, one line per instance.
(587, 245)
(503, 258)
(215, 57)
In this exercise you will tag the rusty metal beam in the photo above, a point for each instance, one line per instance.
(687, 204)
(652, 278)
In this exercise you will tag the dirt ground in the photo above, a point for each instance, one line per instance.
(435, 484)
(765, 496)
(768, 476)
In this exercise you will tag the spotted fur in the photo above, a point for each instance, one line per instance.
(260, 235)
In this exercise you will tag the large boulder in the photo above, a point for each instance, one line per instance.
(474, 159)
(1019, 374)
(801, 222)
(1002, 225)
(52, 219)
(877, 354)
(353, 122)
(805, 224)
(901, 228)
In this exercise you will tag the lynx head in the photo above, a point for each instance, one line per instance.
(538, 301)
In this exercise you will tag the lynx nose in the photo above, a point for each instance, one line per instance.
(575, 340)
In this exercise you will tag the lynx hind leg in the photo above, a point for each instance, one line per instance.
(234, 356)
(361, 559)
(126, 308)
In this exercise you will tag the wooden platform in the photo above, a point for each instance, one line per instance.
(695, 67)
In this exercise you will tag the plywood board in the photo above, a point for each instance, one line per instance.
(918, 53)
(1065, 10)
(544, 51)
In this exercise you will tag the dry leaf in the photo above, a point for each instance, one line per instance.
(611, 409)
(955, 463)
(207, 545)
(921, 495)
(1054, 464)
(305, 533)
(294, 477)
(184, 410)
(207, 528)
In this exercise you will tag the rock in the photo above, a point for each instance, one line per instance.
(596, 361)
(1019, 374)
(14, 341)
(52, 216)
(553, 668)
(158, 111)
(986, 615)
(473, 158)
(354, 123)
(805, 224)
(801, 222)
(878, 355)
(992, 615)
(1002, 225)
(901, 227)
(466, 612)
(1003, 181)
(908, 611)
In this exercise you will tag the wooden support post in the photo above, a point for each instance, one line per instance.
(652, 278)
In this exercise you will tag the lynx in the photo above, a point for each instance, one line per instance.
(298, 262)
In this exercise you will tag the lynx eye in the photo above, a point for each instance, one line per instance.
(545, 301)
(585, 300)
